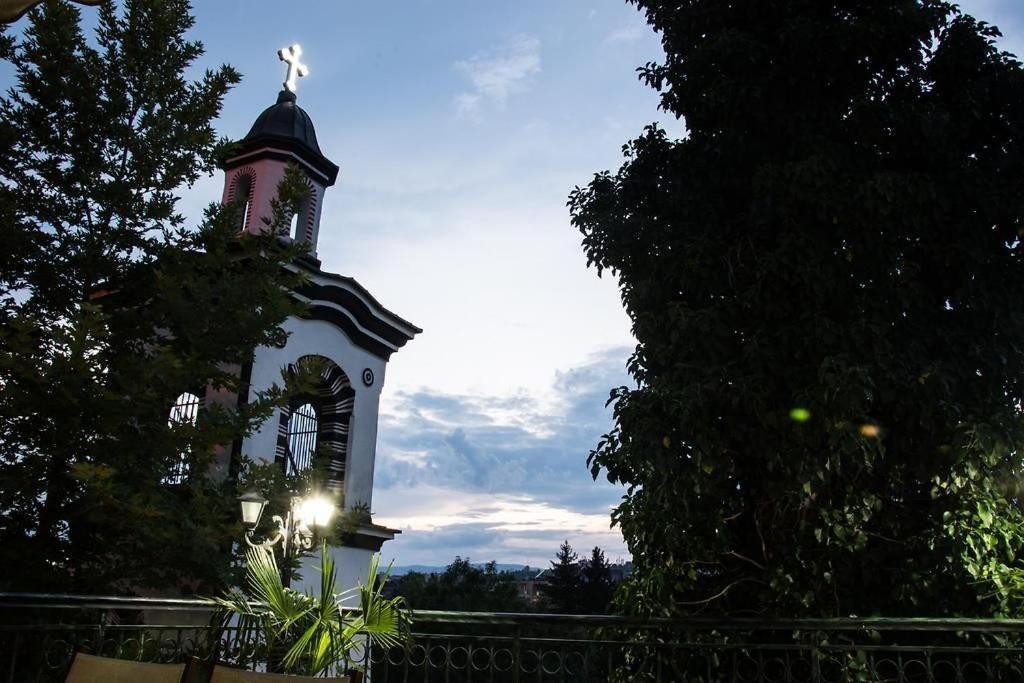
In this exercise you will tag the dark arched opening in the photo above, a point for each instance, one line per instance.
(242, 196)
(184, 413)
(318, 424)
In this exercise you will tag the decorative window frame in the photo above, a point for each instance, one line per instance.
(249, 173)
(305, 224)
(335, 403)
(181, 470)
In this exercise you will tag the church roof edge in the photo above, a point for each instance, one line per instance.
(340, 300)
(354, 284)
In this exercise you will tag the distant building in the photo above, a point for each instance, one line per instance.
(527, 584)
(620, 571)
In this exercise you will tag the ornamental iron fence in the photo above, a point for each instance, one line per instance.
(40, 633)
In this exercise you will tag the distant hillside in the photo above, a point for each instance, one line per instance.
(429, 569)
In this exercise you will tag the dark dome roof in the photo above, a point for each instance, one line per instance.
(284, 127)
(285, 120)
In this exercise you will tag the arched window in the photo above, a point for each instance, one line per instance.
(185, 411)
(243, 188)
(326, 424)
(303, 425)
(298, 226)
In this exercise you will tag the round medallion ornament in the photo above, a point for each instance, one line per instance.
(368, 377)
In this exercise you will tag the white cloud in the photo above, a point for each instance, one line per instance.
(627, 34)
(467, 105)
(438, 524)
(498, 476)
(497, 74)
(499, 512)
(491, 271)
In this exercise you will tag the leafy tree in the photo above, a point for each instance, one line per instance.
(562, 590)
(825, 277)
(110, 307)
(461, 587)
(596, 589)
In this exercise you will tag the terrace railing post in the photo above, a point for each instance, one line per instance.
(447, 662)
(14, 657)
(385, 666)
(214, 642)
(367, 659)
(815, 660)
(517, 661)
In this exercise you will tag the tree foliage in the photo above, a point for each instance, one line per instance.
(596, 589)
(825, 276)
(110, 307)
(462, 587)
(563, 583)
(577, 586)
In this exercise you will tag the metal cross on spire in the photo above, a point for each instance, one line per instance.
(296, 69)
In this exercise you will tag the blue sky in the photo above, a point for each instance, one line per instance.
(460, 128)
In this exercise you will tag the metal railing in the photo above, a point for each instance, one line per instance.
(39, 634)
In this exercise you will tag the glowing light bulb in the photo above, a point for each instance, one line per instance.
(316, 511)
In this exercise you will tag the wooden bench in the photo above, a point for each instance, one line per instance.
(223, 674)
(91, 669)
(86, 668)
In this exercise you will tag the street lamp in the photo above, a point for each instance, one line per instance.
(316, 511)
(252, 509)
(295, 531)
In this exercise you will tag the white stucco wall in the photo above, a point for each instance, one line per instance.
(314, 337)
(351, 564)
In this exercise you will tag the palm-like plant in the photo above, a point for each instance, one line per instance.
(311, 634)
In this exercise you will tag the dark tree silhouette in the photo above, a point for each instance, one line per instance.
(461, 587)
(596, 588)
(111, 307)
(825, 277)
(561, 590)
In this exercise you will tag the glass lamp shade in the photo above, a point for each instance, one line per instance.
(316, 511)
(252, 508)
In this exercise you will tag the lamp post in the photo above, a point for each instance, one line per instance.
(296, 531)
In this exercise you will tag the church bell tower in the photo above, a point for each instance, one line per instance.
(282, 134)
(344, 329)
